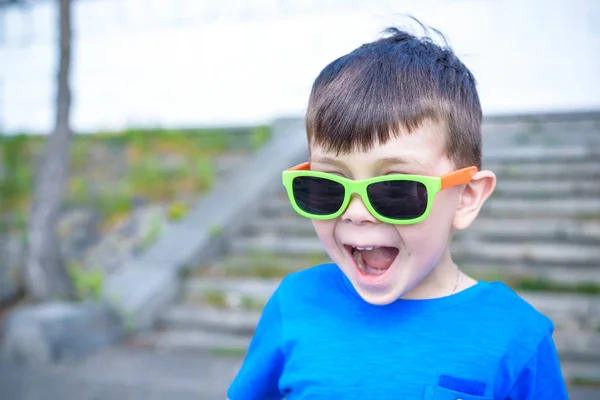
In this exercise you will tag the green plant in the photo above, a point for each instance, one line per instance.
(585, 381)
(212, 140)
(215, 231)
(79, 153)
(537, 283)
(237, 352)
(153, 233)
(317, 258)
(177, 211)
(522, 139)
(88, 283)
(205, 174)
(17, 172)
(584, 217)
(215, 298)
(535, 127)
(79, 190)
(259, 136)
(535, 195)
(547, 285)
(116, 202)
(129, 320)
(252, 304)
(185, 272)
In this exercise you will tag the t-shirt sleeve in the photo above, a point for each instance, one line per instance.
(541, 378)
(258, 378)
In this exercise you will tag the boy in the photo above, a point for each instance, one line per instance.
(394, 133)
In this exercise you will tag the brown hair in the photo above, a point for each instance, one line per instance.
(391, 86)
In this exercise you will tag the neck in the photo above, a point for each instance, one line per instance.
(441, 281)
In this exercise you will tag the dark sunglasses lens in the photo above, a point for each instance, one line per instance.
(318, 196)
(399, 200)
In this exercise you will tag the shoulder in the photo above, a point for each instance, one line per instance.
(314, 276)
(519, 327)
(309, 286)
(516, 313)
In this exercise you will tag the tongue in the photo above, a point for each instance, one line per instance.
(380, 258)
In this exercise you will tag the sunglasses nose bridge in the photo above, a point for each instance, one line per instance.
(352, 191)
(353, 211)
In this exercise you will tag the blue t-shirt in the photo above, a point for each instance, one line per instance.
(317, 339)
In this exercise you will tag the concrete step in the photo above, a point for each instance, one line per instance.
(543, 139)
(565, 124)
(190, 340)
(577, 345)
(563, 278)
(497, 229)
(210, 319)
(233, 290)
(538, 230)
(545, 170)
(529, 253)
(571, 312)
(259, 265)
(543, 254)
(581, 370)
(273, 244)
(538, 189)
(537, 153)
(580, 209)
(524, 132)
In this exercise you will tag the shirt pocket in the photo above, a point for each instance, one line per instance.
(435, 392)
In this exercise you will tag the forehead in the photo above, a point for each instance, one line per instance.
(420, 151)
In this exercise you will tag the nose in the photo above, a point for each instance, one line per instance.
(357, 213)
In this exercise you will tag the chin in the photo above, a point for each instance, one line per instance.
(378, 298)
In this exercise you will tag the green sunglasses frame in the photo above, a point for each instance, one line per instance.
(433, 185)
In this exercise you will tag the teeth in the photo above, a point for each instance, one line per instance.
(365, 248)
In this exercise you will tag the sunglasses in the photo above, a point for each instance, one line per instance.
(393, 199)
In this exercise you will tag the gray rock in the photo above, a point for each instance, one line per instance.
(49, 332)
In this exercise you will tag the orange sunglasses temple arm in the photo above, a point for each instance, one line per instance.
(305, 166)
(460, 177)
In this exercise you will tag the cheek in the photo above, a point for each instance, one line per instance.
(445, 204)
(325, 231)
(433, 233)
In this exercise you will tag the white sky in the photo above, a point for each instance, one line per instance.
(210, 62)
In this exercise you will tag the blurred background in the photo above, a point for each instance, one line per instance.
(142, 220)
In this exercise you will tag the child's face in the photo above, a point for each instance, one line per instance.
(413, 250)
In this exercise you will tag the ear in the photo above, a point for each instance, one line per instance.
(472, 198)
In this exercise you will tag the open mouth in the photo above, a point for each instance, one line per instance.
(372, 261)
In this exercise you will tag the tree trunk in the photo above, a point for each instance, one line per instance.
(45, 273)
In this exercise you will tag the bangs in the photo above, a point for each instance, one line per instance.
(368, 103)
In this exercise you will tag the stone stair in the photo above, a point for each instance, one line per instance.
(540, 233)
